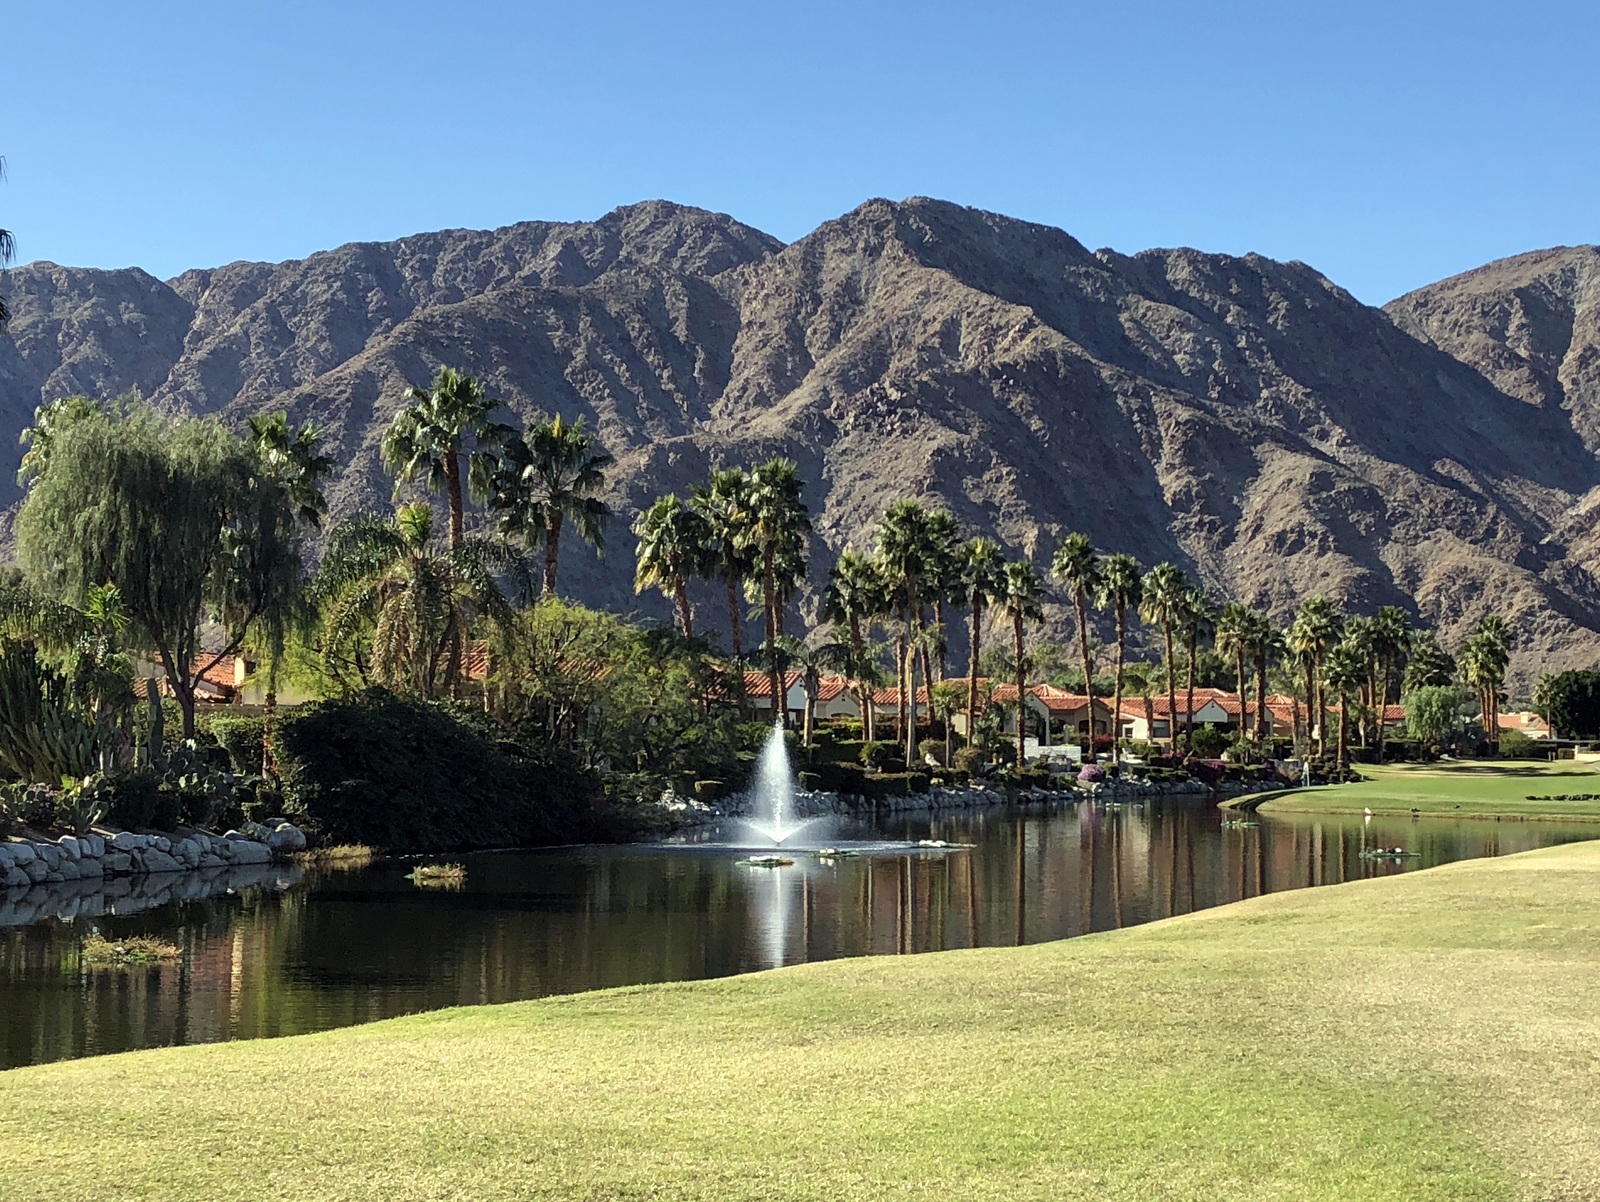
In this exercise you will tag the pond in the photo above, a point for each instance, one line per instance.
(285, 952)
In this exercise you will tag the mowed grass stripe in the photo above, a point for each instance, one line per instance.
(1426, 1036)
(1464, 789)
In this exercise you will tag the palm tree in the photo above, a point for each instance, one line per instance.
(1236, 625)
(553, 476)
(982, 584)
(909, 550)
(289, 457)
(810, 662)
(1165, 594)
(776, 533)
(853, 598)
(1345, 669)
(1266, 646)
(428, 437)
(1078, 567)
(1429, 665)
(1142, 679)
(1392, 637)
(724, 503)
(1360, 638)
(1118, 590)
(1198, 621)
(946, 563)
(1021, 594)
(672, 545)
(1483, 663)
(399, 610)
(1316, 629)
(945, 700)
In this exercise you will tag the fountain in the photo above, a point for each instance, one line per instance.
(774, 817)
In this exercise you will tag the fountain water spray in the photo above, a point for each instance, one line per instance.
(774, 816)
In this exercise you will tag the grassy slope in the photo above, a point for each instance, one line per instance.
(1454, 790)
(1425, 1036)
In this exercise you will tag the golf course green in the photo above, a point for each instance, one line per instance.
(1429, 1035)
(1457, 789)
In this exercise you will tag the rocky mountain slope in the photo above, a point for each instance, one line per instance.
(1243, 416)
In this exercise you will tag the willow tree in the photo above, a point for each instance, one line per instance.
(179, 515)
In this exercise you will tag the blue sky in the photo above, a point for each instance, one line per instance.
(1387, 144)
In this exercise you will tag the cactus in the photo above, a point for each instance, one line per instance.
(45, 733)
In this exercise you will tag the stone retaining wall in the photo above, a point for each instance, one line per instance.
(25, 863)
(92, 897)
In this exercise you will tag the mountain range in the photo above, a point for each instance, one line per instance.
(1244, 417)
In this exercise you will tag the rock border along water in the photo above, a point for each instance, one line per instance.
(98, 859)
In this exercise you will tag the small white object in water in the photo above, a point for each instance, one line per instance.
(1367, 812)
(933, 843)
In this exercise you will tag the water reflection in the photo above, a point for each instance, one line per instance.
(332, 950)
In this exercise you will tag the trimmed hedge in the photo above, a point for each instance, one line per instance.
(405, 775)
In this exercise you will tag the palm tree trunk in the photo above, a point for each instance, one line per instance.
(1244, 706)
(1116, 702)
(1382, 707)
(1088, 668)
(1263, 724)
(1172, 695)
(972, 674)
(1188, 717)
(736, 632)
(552, 550)
(1022, 708)
(452, 483)
(1322, 715)
(1311, 701)
(944, 647)
(769, 590)
(685, 616)
(900, 684)
(811, 714)
(1344, 722)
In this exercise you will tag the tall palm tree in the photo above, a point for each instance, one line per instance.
(672, 546)
(982, 585)
(1316, 629)
(1078, 567)
(1198, 622)
(1235, 629)
(809, 662)
(1165, 594)
(947, 560)
(399, 610)
(1345, 671)
(552, 476)
(853, 598)
(1428, 665)
(429, 436)
(776, 533)
(1266, 646)
(1360, 638)
(1120, 589)
(724, 502)
(1392, 637)
(1021, 595)
(909, 552)
(1495, 637)
(289, 457)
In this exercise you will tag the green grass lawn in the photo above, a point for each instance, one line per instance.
(1431, 1035)
(1466, 789)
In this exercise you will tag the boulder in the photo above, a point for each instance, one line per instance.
(97, 844)
(14, 878)
(246, 851)
(70, 848)
(287, 839)
(116, 863)
(69, 870)
(153, 860)
(23, 853)
(127, 841)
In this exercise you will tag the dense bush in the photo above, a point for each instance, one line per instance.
(242, 738)
(971, 760)
(1514, 745)
(138, 802)
(1091, 774)
(1208, 742)
(407, 775)
(878, 755)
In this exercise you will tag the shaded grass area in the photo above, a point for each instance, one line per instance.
(1427, 1036)
(1467, 789)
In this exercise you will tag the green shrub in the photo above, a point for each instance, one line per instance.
(971, 760)
(1208, 742)
(1514, 745)
(399, 774)
(931, 748)
(707, 791)
(1244, 751)
(138, 802)
(242, 738)
(878, 755)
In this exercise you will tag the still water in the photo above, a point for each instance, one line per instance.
(298, 953)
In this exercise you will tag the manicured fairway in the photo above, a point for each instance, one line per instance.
(1433, 1035)
(1465, 789)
